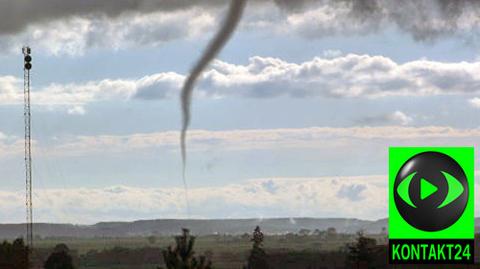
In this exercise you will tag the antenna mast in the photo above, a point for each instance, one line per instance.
(28, 144)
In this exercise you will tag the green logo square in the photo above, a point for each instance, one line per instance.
(431, 193)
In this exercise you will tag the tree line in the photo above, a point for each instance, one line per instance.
(180, 255)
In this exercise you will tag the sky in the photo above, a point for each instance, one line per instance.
(292, 119)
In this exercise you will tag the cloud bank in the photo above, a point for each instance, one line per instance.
(363, 197)
(261, 198)
(353, 138)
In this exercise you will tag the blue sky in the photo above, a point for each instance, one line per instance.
(299, 108)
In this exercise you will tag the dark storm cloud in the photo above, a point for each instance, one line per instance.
(423, 19)
(18, 14)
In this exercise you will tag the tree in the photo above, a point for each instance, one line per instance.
(331, 231)
(258, 257)
(14, 255)
(61, 248)
(59, 259)
(182, 255)
(304, 232)
(152, 239)
(360, 252)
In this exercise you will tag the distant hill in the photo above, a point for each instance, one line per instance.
(197, 226)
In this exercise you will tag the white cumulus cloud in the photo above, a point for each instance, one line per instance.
(344, 76)
(475, 102)
(396, 118)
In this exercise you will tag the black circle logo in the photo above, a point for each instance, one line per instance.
(431, 191)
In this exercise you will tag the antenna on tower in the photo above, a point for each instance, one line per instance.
(28, 144)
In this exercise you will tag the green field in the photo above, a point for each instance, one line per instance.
(224, 251)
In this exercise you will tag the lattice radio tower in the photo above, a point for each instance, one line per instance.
(28, 144)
